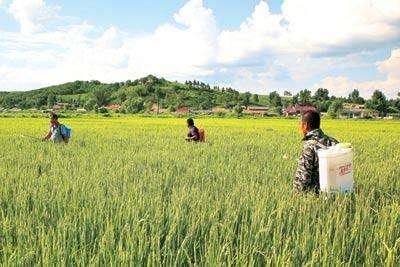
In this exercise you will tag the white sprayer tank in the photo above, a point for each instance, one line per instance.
(336, 169)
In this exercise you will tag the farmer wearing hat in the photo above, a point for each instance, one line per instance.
(307, 174)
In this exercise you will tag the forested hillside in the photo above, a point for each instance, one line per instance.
(140, 95)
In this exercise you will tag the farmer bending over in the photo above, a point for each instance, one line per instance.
(55, 132)
(193, 133)
(307, 174)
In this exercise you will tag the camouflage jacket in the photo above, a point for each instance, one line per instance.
(307, 174)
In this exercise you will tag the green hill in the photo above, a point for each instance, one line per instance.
(134, 96)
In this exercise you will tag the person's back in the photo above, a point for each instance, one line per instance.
(193, 132)
(307, 174)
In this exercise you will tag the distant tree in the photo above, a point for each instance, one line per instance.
(51, 99)
(321, 99)
(379, 103)
(102, 110)
(321, 95)
(238, 109)
(90, 104)
(335, 109)
(40, 101)
(246, 99)
(255, 99)
(354, 97)
(159, 95)
(134, 105)
(101, 96)
(305, 97)
(295, 99)
(204, 101)
(275, 99)
(287, 93)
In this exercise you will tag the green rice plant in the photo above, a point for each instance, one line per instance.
(131, 191)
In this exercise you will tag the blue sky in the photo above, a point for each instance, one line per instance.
(258, 46)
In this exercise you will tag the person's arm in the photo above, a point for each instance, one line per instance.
(303, 177)
(194, 136)
(47, 137)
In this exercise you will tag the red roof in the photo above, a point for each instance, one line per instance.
(182, 110)
(298, 109)
(113, 107)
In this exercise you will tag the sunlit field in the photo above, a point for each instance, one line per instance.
(132, 191)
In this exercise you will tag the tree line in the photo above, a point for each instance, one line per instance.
(141, 94)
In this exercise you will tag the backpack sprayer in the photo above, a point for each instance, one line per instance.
(336, 169)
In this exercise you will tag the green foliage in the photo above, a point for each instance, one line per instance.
(379, 103)
(321, 95)
(245, 99)
(238, 109)
(131, 192)
(354, 97)
(276, 101)
(101, 95)
(134, 105)
(102, 110)
(335, 109)
(169, 95)
(255, 99)
(304, 97)
(90, 104)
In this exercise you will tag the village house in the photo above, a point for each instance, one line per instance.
(60, 106)
(219, 110)
(256, 110)
(182, 110)
(155, 108)
(351, 110)
(113, 107)
(294, 110)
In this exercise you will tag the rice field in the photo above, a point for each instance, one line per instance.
(131, 191)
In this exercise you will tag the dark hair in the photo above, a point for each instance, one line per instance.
(312, 118)
(54, 116)
(190, 122)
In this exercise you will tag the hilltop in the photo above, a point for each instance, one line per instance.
(134, 96)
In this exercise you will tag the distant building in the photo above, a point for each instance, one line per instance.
(219, 110)
(15, 110)
(81, 110)
(113, 107)
(351, 110)
(157, 108)
(294, 110)
(256, 110)
(357, 111)
(59, 106)
(182, 110)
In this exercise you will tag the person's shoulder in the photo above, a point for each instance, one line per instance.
(310, 143)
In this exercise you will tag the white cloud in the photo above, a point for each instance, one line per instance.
(313, 27)
(176, 51)
(32, 14)
(390, 84)
(180, 50)
(192, 46)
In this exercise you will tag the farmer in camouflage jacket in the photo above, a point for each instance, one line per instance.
(307, 174)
